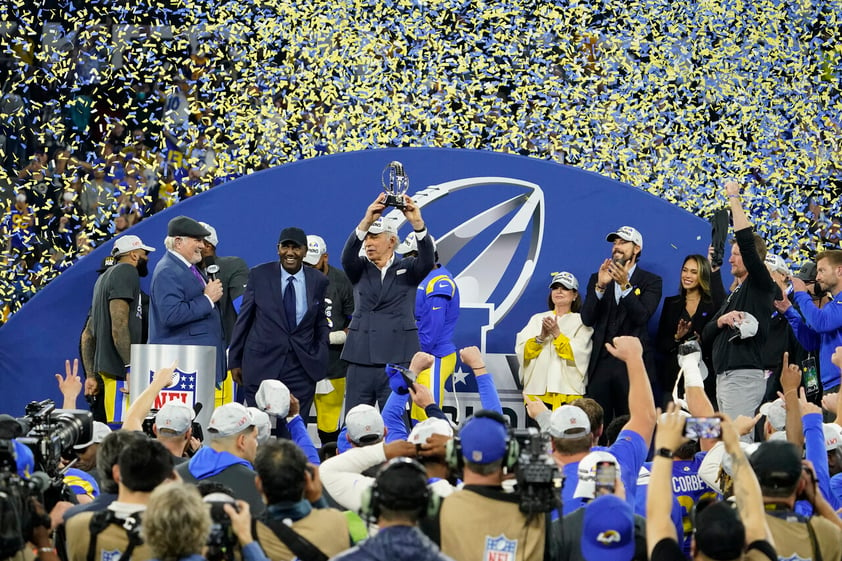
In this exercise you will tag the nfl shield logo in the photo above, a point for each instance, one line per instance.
(111, 555)
(182, 388)
(499, 549)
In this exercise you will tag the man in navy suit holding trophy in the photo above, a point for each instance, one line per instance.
(382, 328)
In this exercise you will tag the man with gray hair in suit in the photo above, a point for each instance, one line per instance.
(382, 328)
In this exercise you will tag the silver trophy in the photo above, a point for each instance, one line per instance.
(395, 184)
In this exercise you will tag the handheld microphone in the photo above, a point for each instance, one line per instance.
(211, 269)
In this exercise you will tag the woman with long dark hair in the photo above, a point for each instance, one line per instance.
(684, 315)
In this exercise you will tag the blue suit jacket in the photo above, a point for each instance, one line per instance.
(181, 314)
(262, 338)
(383, 328)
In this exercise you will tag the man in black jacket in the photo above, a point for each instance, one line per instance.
(620, 299)
(736, 352)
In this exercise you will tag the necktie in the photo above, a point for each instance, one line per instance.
(289, 302)
(197, 274)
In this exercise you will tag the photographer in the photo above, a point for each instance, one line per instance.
(482, 508)
(293, 494)
(143, 465)
(177, 524)
(784, 478)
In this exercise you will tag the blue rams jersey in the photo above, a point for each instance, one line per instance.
(436, 312)
(688, 488)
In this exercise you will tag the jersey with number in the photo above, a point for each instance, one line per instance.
(436, 312)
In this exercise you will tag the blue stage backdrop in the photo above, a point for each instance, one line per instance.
(504, 224)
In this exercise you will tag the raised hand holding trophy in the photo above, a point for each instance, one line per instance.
(395, 184)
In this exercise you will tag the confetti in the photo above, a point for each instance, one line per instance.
(670, 97)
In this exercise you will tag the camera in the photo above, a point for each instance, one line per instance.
(48, 433)
(221, 541)
(537, 474)
(51, 433)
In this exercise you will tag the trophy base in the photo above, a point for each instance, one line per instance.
(396, 201)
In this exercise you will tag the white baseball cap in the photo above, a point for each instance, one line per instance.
(100, 431)
(626, 233)
(263, 424)
(775, 413)
(316, 247)
(832, 436)
(427, 428)
(229, 419)
(176, 416)
(565, 279)
(273, 397)
(210, 238)
(777, 263)
(127, 243)
(410, 244)
(365, 424)
(380, 225)
(569, 421)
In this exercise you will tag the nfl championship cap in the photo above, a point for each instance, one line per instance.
(569, 421)
(273, 397)
(775, 413)
(316, 247)
(175, 416)
(565, 279)
(127, 243)
(380, 225)
(365, 425)
(210, 238)
(427, 428)
(626, 233)
(263, 424)
(229, 419)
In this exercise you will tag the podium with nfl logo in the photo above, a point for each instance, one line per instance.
(194, 378)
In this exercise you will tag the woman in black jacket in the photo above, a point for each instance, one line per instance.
(683, 317)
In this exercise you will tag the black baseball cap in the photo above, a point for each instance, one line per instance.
(294, 235)
(777, 464)
(807, 272)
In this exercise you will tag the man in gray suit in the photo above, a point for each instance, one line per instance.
(382, 328)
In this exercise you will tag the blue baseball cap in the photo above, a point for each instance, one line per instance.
(608, 530)
(81, 483)
(483, 440)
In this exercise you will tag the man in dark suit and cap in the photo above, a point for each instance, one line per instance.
(281, 332)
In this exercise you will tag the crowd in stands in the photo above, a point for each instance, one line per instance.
(113, 112)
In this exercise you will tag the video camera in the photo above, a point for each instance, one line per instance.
(47, 433)
(538, 477)
(51, 433)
